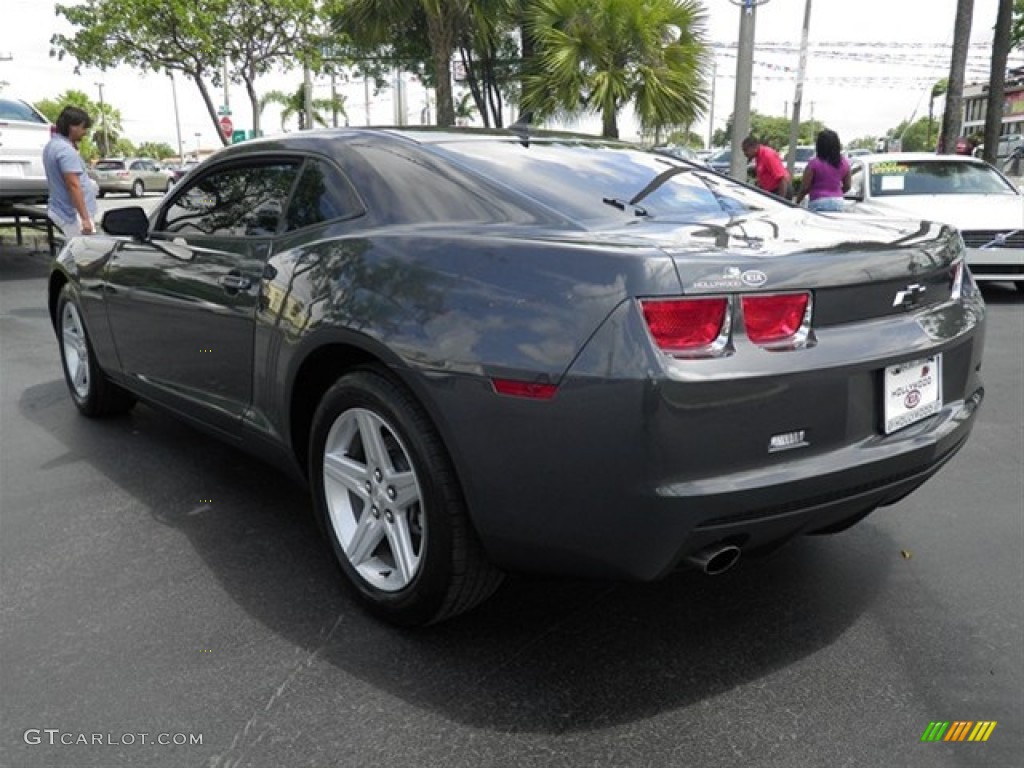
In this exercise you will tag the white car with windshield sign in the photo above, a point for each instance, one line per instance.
(962, 191)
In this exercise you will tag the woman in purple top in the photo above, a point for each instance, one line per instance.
(827, 176)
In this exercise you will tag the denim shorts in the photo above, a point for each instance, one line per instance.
(827, 204)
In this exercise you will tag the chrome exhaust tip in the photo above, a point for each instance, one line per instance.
(715, 559)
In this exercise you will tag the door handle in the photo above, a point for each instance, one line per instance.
(235, 282)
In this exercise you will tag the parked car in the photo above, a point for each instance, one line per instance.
(962, 191)
(804, 154)
(179, 171)
(133, 175)
(720, 160)
(679, 151)
(501, 350)
(24, 132)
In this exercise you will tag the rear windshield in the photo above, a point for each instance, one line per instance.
(11, 109)
(935, 177)
(110, 165)
(586, 181)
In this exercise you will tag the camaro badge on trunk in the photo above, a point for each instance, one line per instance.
(909, 296)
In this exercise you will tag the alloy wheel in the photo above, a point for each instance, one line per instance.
(76, 349)
(374, 500)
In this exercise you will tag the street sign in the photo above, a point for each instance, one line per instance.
(226, 126)
(238, 136)
(223, 109)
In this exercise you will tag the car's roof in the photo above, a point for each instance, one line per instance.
(917, 157)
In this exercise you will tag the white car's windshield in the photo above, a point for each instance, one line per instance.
(895, 178)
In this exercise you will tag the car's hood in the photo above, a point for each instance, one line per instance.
(965, 212)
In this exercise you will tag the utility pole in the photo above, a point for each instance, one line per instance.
(711, 111)
(105, 149)
(744, 79)
(177, 118)
(307, 95)
(227, 103)
(794, 126)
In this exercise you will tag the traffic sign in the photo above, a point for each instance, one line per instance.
(226, 126)
(238, 136)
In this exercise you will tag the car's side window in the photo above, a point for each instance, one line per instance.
(237, 201)
(322, 194)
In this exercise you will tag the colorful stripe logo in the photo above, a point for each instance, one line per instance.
(959, 730)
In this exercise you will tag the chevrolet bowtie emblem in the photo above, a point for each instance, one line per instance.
(909, 296)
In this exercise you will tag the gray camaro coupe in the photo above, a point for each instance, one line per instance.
(493, 351)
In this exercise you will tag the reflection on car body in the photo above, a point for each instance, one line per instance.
(479, 364)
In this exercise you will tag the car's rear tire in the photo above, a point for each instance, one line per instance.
(388, 500)
(138, 188)
(92, 393)
(101, 193)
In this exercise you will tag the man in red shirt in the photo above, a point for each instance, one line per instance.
(771, 175)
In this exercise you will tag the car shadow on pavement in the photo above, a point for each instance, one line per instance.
(541, 656)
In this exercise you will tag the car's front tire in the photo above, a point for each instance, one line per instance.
(92, 393)
(388, 500)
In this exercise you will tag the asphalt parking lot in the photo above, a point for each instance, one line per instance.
(154, 581)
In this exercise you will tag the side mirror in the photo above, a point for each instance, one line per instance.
(131, 221)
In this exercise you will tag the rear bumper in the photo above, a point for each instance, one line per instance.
(24, 188)
(624, 475)
(116, 186)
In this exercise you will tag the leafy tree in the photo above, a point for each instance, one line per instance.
(372, 22)
(256, 37)
(773, 131)
(157, 150)
(863, 142)
(600, 55)
(685, 139)
(914, 137)
(294, 105)
(189, 37)
(106, 119)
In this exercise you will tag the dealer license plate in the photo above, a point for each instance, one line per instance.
(12, 171)
(913, 391)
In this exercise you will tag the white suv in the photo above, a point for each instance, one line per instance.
(24, 131)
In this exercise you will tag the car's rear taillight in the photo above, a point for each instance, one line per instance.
(688, 327)
(777, 318)
(123, 174)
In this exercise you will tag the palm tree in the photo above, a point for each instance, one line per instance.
(465, 109)
(937, 90)
(294, 105)
(997, 80)
(951, 117)
(375, 19)
(600, 55)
